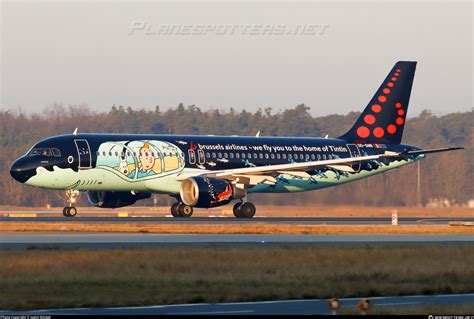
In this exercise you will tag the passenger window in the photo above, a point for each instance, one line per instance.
(289, 156)
(301, 156)
(278, 155)
(57, 153)
(319, 157)
(260, 155)
(283, 156)
(219, 155)
(312, 157)
(208, 155)
(243, 155)
(266, 155)
(324, 156)
(237, 155)
(272, 156)
(231, 155)
(255, 155)
(249, 155)
(225, 155)
(213, 155)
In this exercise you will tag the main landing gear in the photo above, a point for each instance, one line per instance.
(181, 210)
(70, 210)
(244, 210)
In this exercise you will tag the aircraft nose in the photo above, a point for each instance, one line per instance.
(21, 171)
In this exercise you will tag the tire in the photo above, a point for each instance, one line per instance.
(174, 210)
(236, 210)
(66, 211)
(247, 210)
(72, 211)
(185, 210)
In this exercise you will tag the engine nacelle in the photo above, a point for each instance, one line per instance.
(114, 199)
(207, 192)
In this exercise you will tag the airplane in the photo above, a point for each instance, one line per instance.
(117, 170)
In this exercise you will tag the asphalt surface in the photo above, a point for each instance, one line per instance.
(232, 220)
(283, 307)
(64, 239)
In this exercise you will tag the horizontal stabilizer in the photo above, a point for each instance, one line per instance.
(436, 150)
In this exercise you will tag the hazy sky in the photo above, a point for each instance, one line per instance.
(111, 52)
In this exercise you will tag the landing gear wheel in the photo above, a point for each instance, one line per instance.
(185, 210)
(66, 211)
(237, 212)
(174, 210)
(72, 211)
(247, 210)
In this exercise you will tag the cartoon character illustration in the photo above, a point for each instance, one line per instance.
(181, 142)
(123, 166)
(223, 160)
(200, 166)
(212, 164)
(147, 161)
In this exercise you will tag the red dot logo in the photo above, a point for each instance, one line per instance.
(386, 91)
(399, 121)
(397, 74)
(378, 132)
(390, 84)
(382, 99)
(394, 79)
(369, 119)
(376, 108)
(391, 129)
(363, 132)
(398, 70)
(401, 112)
(398, 105)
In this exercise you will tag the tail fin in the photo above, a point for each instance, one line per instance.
(383, 119)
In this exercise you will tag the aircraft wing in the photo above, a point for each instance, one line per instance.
(267, 174)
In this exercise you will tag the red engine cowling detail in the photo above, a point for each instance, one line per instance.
(204, 192)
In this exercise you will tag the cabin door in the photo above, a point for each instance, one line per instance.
(354, 150)
(84, 153)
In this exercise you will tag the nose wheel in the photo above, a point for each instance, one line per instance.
(70, 210)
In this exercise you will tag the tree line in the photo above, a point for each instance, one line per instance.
(447, 175)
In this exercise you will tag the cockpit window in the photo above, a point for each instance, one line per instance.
(35, 152)
(56, 152)
(46, 151)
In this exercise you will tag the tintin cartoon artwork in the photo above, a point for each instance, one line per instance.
(140, 159)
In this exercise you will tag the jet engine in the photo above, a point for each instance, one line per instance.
(205, 192)
(114, 199)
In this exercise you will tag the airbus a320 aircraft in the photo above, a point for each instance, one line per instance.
(207, 171)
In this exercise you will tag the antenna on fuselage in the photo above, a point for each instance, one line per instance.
(75, 132)
(327, 135)
(258, 134)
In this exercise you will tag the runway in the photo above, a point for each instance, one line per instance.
(283, 307)
(26, 240)
(233, 220)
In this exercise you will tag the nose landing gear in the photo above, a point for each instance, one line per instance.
(71, 210)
